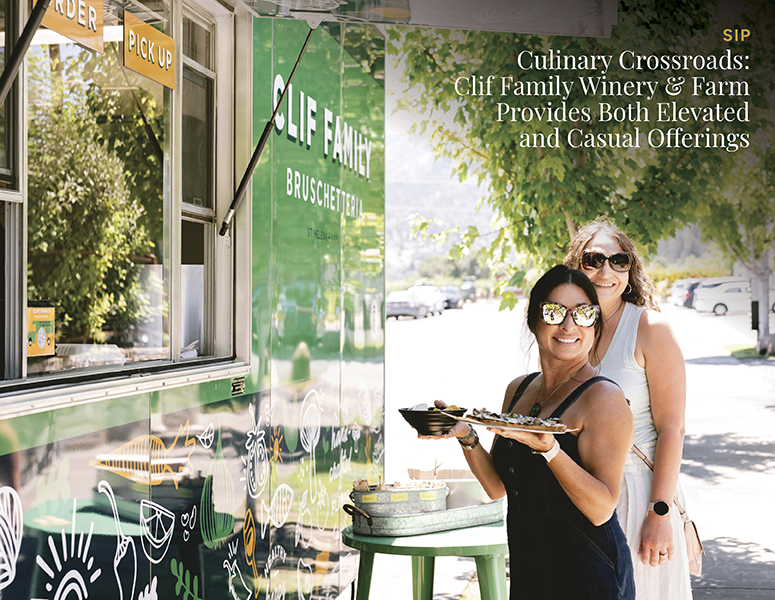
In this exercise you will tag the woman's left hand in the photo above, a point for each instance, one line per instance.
(656, 540)
(540, 442)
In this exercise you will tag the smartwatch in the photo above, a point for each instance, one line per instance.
(660, 507)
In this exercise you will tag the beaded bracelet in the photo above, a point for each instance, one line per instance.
(466, 438)
(473, 444)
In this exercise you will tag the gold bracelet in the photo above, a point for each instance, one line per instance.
(473, 444)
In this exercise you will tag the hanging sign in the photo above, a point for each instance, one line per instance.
(78, 20)
(148, 51)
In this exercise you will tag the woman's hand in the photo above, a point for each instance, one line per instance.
(540, 442)
(656, 540)
(459, 430)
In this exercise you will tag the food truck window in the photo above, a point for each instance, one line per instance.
(198, 176)
(122, 269)
(8, 110)
(97, 227)
(197, 138)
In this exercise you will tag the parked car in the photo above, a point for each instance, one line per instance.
(453, 297)
(723, 297)
(468, 290)
(404, 304)
(431, 296)
(678, 291)
(689, 299)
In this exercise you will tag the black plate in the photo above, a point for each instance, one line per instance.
(431, 422)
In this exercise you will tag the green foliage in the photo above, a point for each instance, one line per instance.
(434, 267)
(131, 126)
(83, 233)
(541, 195)
(739, 212)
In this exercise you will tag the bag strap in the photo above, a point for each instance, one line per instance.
(650, 465)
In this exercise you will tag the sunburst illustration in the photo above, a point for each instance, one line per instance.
(277, 438)
(72, 566)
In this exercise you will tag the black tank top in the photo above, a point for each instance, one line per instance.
(532, 488)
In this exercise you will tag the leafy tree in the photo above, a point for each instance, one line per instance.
(83, 233)
(739, 212)
(435, 267)
(741, 217)
(129, 111)
(541, 194)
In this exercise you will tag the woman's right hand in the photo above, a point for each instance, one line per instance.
(459, 430)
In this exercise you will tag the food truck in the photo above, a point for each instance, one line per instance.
(193, 209)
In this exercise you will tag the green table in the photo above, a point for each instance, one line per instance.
(485, 543)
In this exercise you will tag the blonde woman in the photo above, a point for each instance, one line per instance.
(638, 351)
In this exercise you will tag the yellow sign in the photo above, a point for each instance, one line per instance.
(148, 51)
(40, 331)
(78, 20)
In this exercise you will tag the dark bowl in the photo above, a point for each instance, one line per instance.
(431, 422)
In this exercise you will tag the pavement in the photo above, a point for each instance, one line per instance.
(728, 471)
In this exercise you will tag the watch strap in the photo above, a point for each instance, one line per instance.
(551, 452)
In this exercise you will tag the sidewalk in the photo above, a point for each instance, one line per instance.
(729, 459)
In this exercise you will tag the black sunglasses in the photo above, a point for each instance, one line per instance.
(619, 261)
(583, 316)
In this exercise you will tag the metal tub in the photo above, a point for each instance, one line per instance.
(400, 501)
(416, 524)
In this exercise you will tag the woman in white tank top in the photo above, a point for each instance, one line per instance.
(639, 351)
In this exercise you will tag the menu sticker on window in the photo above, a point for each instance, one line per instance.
(148, 51)
(40, 331)
(77, 20)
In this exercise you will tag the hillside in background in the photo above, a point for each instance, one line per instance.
(416, 184)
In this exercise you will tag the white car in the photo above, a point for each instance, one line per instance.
(723, 297)
(431, 296)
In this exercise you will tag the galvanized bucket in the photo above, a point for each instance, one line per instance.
(400, 502)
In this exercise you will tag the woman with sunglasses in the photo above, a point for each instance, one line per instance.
(638, 350)
(565, 542)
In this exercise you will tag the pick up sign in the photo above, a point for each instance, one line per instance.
(78, 20)
(148, 51)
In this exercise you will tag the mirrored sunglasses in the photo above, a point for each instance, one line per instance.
(583, 316)
(619, 261)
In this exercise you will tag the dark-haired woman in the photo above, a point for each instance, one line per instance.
(565, 542)
(638, 351)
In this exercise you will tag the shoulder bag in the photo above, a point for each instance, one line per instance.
(693, 543)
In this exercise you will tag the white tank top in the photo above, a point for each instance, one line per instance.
(619, 365)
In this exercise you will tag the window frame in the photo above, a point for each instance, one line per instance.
(10, 181)
(230, 254)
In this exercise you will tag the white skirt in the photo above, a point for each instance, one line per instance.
(670, 580)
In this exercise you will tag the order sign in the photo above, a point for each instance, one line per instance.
(78, 20)
(148, 51)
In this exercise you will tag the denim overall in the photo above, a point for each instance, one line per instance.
(555, 552)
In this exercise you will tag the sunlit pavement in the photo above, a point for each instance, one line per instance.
(468, 356)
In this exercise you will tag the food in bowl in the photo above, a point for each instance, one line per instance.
(431, 421)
